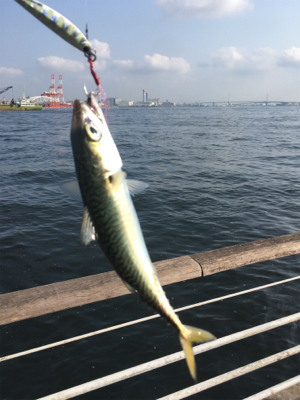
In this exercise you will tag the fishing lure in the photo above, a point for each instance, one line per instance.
(60, 25)
(64, 28)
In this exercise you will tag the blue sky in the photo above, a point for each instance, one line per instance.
(177, 50)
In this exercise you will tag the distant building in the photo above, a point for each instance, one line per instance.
(156, 102)
(168, 104)
(144, 104)
(114, 101)
(111, 101)
(125, 103)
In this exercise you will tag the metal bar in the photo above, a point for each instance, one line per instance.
(137, 321)
(163, 361)
(182, 394)
(275, 389)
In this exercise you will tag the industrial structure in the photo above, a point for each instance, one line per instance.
(24, 103)
(53, 99)
(4, 89)
(50, 98)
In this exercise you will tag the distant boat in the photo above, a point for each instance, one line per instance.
(24, 104)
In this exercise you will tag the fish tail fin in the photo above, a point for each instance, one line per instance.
(189, 336)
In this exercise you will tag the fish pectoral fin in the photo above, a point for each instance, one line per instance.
(72, 189)
(129, 287)
(117, 178)
(136, 187)
(189, 336)
(87, 231)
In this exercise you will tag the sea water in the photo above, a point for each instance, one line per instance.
(218, 176)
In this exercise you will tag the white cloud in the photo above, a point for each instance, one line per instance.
(99, 65)
(242, 60)
(125, 64)
(10, 71)
(204, 8)
(261, 59)
(291, 58)
(227, 57)
(158, 62)
(102, 48)
(62, 64)
(155, 63)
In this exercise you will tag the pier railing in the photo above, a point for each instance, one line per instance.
(59, 296)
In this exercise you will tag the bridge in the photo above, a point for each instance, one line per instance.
(249, 103)
(42, 99)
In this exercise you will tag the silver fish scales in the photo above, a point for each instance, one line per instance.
(110, 215)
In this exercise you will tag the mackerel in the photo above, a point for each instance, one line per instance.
(110, 217)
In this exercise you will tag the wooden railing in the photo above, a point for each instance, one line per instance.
(41, 300)
(29, 303)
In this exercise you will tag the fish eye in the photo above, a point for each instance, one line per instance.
(93, 132)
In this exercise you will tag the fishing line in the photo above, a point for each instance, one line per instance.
(65, 29)
(86, 19)
(101, 95)
(91, 57)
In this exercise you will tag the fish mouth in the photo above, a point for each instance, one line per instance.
(77, 106)
(77, 114)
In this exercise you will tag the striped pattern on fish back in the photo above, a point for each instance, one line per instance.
(120, 237)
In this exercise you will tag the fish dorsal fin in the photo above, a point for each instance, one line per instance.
(72, 189)
(87, 231)
(136, 187)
